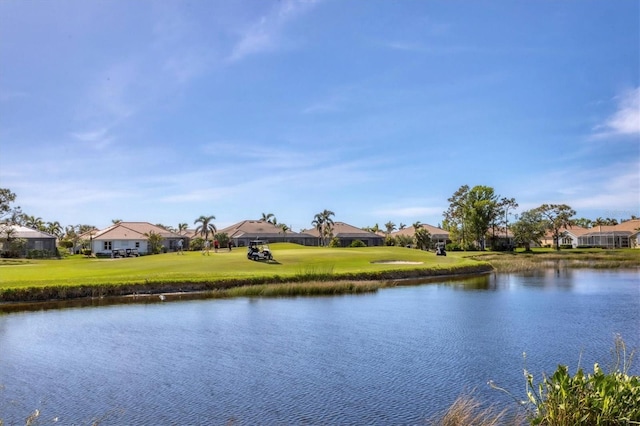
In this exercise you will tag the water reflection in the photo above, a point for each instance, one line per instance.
(465, 283)
(476, 282)
(393, 357)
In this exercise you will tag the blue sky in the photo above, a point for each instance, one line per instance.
(377, 110)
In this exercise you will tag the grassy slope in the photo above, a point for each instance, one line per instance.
(291, 260)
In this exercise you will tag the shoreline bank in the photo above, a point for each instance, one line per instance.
(183, 289)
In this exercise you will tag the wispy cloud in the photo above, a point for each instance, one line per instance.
(98, 138)
(265, 34)
(626, 119)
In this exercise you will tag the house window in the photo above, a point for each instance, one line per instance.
(137, 244)
(107, 245)
(38, 245)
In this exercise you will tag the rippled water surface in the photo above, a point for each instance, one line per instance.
(399, 356)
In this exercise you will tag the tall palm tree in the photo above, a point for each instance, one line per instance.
(389, 227)
(55, 229)
(324, 224)
(401, 226)
(416, 225)
(284, 229)
(269, 218)
(182, 227)
(34, 222)
(206, 226)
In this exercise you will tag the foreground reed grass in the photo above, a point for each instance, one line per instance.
(314, 288)
(467, 410)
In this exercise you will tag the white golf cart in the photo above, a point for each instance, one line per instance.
(259, 250)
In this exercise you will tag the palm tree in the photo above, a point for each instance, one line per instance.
(269, 218)
(284, 229)
(55, 229)
(401, 226)
(182, 227)
(34, 222)
(390, 227)
(324, 224)
(416, 225)
(206, 226)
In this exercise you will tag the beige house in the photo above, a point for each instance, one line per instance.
(622, 235)
(131, 236)
(38, 243)
(347, 234)
(247, 230)
(568, 237)
(438, 235)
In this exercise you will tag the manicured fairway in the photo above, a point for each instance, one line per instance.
(290, 260)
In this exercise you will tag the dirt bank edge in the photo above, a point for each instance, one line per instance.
(56, 293)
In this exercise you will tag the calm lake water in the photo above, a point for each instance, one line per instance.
(399, 356)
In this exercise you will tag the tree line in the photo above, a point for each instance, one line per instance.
(477, 218)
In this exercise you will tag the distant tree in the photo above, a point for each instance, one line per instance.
(284, 229)
(401, 226)
(483, 208)
(501, 218)
(324, 224)
(416, 225)
(389, 227)
(404, 240)
(55, 229)
(116, 221)
(422, 238)
(6, 199)
(206, 226)
(456, 215)
(583, 222)
(529, 228)
(165, 227)
(373, 229)
(34, 223)
(556, 217)
(182, 228)
(389, 240)
(155, 242)
(223, 239)
(269, 218)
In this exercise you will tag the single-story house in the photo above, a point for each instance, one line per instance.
(438, 235)
(247, 230)
(131, 235)
(622, 235)
(568, 237)
(347, 234)
(38, 243)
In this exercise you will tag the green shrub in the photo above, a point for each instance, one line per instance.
(357, 243)
(596, 398)
(591, 399)
(335, 242)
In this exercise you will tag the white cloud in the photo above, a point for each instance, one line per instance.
(265, 34)
(98, 138)
(626, 119)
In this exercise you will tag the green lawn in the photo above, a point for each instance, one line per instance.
(291, 260)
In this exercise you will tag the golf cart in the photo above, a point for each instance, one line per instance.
(440, 250)
(259, 250)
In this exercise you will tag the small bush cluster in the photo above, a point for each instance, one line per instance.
(589, 399)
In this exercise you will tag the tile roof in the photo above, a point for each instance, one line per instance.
(259, 228)
(24, 232)
(132, 231)
(341, 229)
(433, 230)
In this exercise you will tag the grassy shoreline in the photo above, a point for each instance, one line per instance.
(297, 271)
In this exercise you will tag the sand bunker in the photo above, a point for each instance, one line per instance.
(397, 262)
